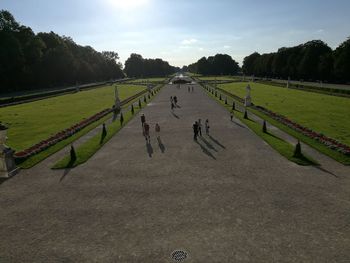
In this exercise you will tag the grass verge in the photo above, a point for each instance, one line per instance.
(34, 160)
(339, 157)
(85, 151)
(281, 146)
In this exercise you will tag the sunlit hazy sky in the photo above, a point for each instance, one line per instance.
(182, 31)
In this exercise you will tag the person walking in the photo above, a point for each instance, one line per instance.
(192, 88)
(157, 128)
(188, 89)
(175, 100)
(171, 99)
(195, 131)
(207, 127)
(143, 119)
(200, 127)
(146, 130)
(172, 106)
(231, 116)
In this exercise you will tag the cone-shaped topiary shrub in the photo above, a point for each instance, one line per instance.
(264, 129)
(73, 155)
(121, 118)
(297, 150)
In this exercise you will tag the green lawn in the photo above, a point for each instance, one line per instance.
(323, 113)
(147, 80)
(85, 151)
(32, 122)
(219, 78)
(281, 146)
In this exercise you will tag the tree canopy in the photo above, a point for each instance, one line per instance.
(314, 60)
(220, 64)
(30, 61)
(137, 66)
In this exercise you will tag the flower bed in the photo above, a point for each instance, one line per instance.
(327, 141)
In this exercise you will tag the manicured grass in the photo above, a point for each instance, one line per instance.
(322, 113)
(31, 161)
(85, 151)
(280, 145)
(32, 122)
(147, 80)
(219, 78)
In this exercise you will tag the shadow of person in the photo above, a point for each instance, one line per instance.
(208, 144)
(161, 145)
(149, 149)
(176, 116)
(217, 142)
(205, 150)
(238, 124)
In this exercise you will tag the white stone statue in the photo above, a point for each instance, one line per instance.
(7, 161)
(248, 98)
(117, 100)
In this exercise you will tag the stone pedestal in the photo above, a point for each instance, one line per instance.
(248, 98)
(7, 162)
(247, 101)
(117, 105)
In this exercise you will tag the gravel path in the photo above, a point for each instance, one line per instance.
(227, 198)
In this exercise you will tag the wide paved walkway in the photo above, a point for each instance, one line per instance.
(227, 198)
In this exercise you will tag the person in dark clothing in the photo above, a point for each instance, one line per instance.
(207, 127)
(200, 127)
(143, 119)
(146, 131)
(175, 101)
(195, 131)
(172, 106)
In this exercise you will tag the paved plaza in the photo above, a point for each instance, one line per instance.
(229, 197)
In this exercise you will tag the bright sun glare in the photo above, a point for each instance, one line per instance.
(128, 4)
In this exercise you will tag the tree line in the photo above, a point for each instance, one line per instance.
(29, 60)
(32, 61)
(220, 64)
(313, 61)
(136, 66)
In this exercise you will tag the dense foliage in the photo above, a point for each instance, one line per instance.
(313, 60)
(30, 61)
(220, 64)
(137, 66)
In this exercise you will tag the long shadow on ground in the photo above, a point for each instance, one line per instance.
(217, 142)
(161, 145)
(149, 149)
(208, 144)
(238, 124)
(176, 116)
(205, 150)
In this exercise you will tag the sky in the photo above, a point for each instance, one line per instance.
(183, 31)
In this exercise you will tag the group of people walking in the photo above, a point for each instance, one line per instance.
(190, 89)
(197, 128)
(146, 129)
